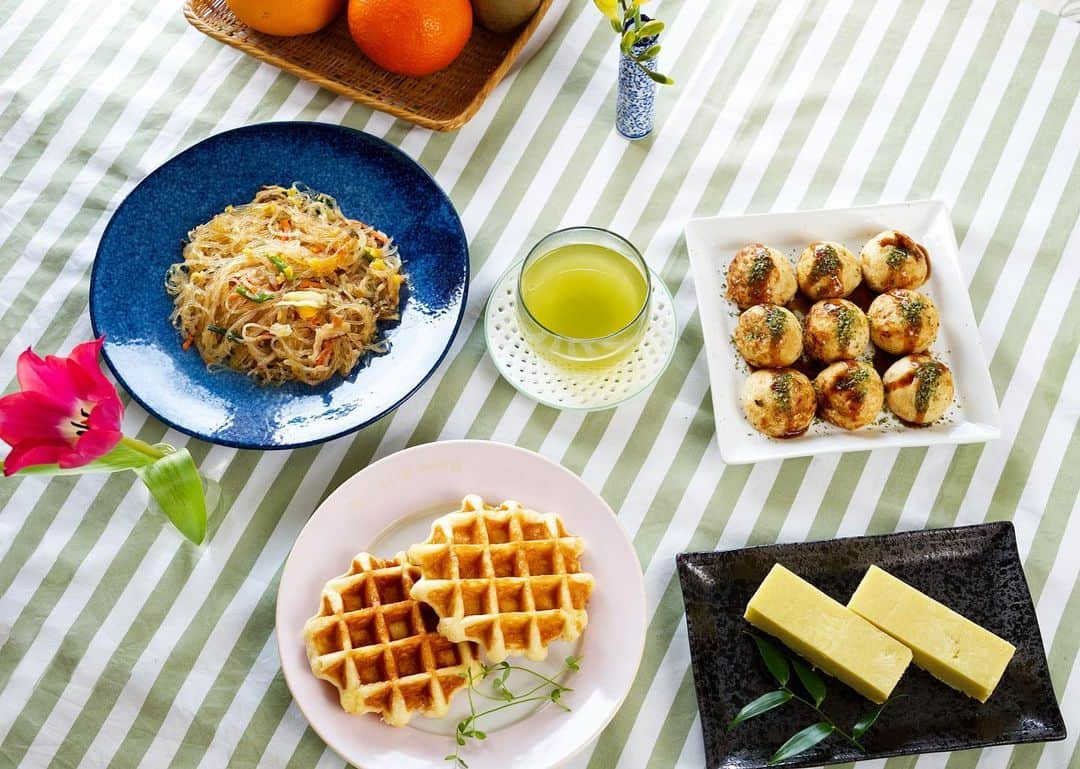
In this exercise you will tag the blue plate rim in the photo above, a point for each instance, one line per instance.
(247, 445)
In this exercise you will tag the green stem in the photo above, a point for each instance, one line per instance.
(542, 677)
(507, 705)
(479, 693)
(143, 447)
(826, 718)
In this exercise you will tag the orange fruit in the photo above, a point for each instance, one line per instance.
(286, 17)
(411, 37)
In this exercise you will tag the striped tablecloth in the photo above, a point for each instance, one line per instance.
(121, 645)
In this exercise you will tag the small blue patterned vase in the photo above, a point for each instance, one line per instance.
(635, 102)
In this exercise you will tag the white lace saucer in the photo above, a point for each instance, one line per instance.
(562, 387)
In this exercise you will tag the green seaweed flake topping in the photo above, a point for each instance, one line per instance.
(845, 324)
(912, 308)
(781, 387)
(895, 257)
(929, 375)
(826, 261)
(760, 267)
(776, 322)
(854, 380)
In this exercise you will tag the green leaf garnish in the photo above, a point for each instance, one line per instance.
(548, 689)
(232, 336)
(258, 298)
(866, 722)
(863, 724)
(762, 704)
(774, 660)
(779, 666)
(811, 681)
(802, 741)
(281, 265)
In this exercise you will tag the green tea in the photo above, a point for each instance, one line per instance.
(583, 291)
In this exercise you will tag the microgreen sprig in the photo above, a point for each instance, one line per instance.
(626, 20)
(547, 690)
(780, 667)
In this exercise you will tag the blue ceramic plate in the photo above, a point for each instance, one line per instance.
(372, 181)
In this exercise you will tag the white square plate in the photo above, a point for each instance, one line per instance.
(712, 242)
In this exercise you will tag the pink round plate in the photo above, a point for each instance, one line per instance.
(391, 504)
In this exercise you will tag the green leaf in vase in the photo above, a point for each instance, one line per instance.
(774, 660)
(657, 77)
(811, 681)
(649, 53)
(650, 28)
(174, 482)
(802, 741)
(762, 704)
(627, 41)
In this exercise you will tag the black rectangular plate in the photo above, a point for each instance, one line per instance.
(975, 570)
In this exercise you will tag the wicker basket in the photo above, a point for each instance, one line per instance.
(329, 58)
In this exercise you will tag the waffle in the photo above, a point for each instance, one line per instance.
(379, 647)
(507, 577)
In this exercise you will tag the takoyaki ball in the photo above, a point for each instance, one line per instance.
(779, 402)
(760, 275)
(918, 389)
(891, 260)
(850, 394)
(769, 336)
(827, 271)
(835, 329)
(903, 321)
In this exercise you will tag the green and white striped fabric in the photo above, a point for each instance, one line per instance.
(121, 645)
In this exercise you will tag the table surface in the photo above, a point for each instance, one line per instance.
(122, 645)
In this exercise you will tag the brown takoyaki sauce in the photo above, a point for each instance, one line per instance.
(902, 382)
(826, 266)
(929, 375)
(781, 387)
(900, 247)
(849, 390)
(757, 277)
(755, 282)
(913, 309)
(776, 323)
(845, 321)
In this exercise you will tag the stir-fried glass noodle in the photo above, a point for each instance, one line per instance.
(285, 288)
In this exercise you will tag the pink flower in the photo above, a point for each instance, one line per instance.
(67, 413)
